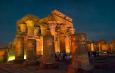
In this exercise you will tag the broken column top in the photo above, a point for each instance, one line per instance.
(58, 13)
(28, 17)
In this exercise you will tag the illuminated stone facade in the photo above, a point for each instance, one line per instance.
(43, 37)
(100, 47)
(103, 46)
(113, 46)
(92, 46)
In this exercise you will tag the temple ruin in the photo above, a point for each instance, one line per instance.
(44, 37)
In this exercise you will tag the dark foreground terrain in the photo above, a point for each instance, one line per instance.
(101, 65)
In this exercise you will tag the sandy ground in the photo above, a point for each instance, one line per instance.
(100, 66)
(16, 68)
(5, 68)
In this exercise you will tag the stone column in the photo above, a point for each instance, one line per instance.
(39, 46)
(92, 47)
(19, 51)
(30, 27)
(52, 26)
(62, 43)
(82, 52)
(43, 29)
(48, 48)
(67, 44)
(31, 51)
(57, 43)
(74, 66)
(73, 50)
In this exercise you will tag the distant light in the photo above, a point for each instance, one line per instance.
(105, 52)
(25, 57)
(10, 58)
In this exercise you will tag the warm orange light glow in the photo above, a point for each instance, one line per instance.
(43, 36)
(12, 57)
(99, 47)
(23, 27)
(92, 47)
(30, 23)
(43, 30)
(67, 44)
(105, 47)
(2, 53)
(52, 27)
(57, 47)
(39, 46)
(30, 27)
(19, 51)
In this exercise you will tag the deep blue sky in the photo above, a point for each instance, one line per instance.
(95, 17)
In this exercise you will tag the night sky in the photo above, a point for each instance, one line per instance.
(95, 17)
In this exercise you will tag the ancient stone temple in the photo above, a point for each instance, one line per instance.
(42, 38)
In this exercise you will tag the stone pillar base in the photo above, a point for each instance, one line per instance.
(83, 61)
